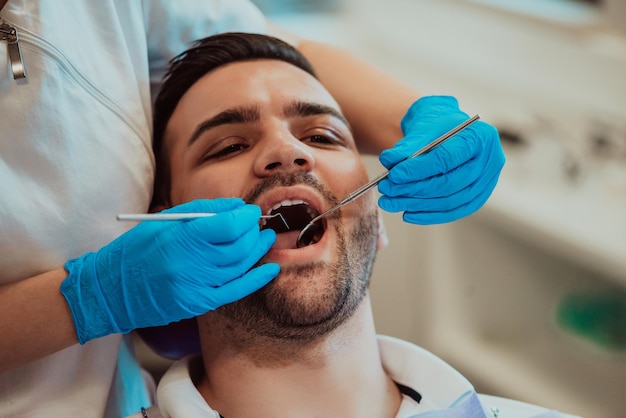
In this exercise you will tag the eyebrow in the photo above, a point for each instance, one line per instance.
(300, 108)
(240, 114)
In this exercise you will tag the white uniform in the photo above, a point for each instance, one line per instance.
(75, 151)
(442, 392)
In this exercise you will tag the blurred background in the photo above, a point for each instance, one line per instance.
(527, 298)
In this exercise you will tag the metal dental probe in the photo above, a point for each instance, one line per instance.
(310, 231)
(180, 216)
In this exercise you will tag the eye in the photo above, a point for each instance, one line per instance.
(323, 140)
(320, 139)
(225, 152)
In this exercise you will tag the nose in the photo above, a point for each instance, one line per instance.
(285, 153)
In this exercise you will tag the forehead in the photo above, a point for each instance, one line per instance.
(266, 83)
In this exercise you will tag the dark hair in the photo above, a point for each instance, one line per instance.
(204, 56)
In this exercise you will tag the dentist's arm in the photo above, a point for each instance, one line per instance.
(452, 181)
(35, 319)
(154, 274)
(373, 101)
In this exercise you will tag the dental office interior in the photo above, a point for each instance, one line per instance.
(527, 297)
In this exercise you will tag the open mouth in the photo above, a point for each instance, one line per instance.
(296, 214)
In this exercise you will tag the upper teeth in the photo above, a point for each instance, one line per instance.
(292, 202)
(286, 202)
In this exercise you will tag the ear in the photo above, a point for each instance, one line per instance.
(383, 239)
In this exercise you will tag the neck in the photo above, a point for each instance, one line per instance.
(342, 368)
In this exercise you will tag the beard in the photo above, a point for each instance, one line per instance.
(317, 297)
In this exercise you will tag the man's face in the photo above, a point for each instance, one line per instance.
(269, 132)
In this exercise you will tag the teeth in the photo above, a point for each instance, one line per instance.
(290, 202)
(286, 202)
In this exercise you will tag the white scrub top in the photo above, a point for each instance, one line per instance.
(75, 150)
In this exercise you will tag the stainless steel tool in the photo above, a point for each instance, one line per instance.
(179, 216)
(308, 232)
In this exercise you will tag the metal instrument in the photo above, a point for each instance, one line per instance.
(179, 216)
(307, 233)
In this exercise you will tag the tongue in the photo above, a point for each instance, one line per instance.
(286, 240)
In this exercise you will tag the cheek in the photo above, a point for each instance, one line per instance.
(346, 177)
(349, 175)
(206, 184)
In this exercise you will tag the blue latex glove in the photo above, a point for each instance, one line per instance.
(164, 271)
(450, 182)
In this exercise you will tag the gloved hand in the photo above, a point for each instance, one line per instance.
(451, 181)
(164, 271)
